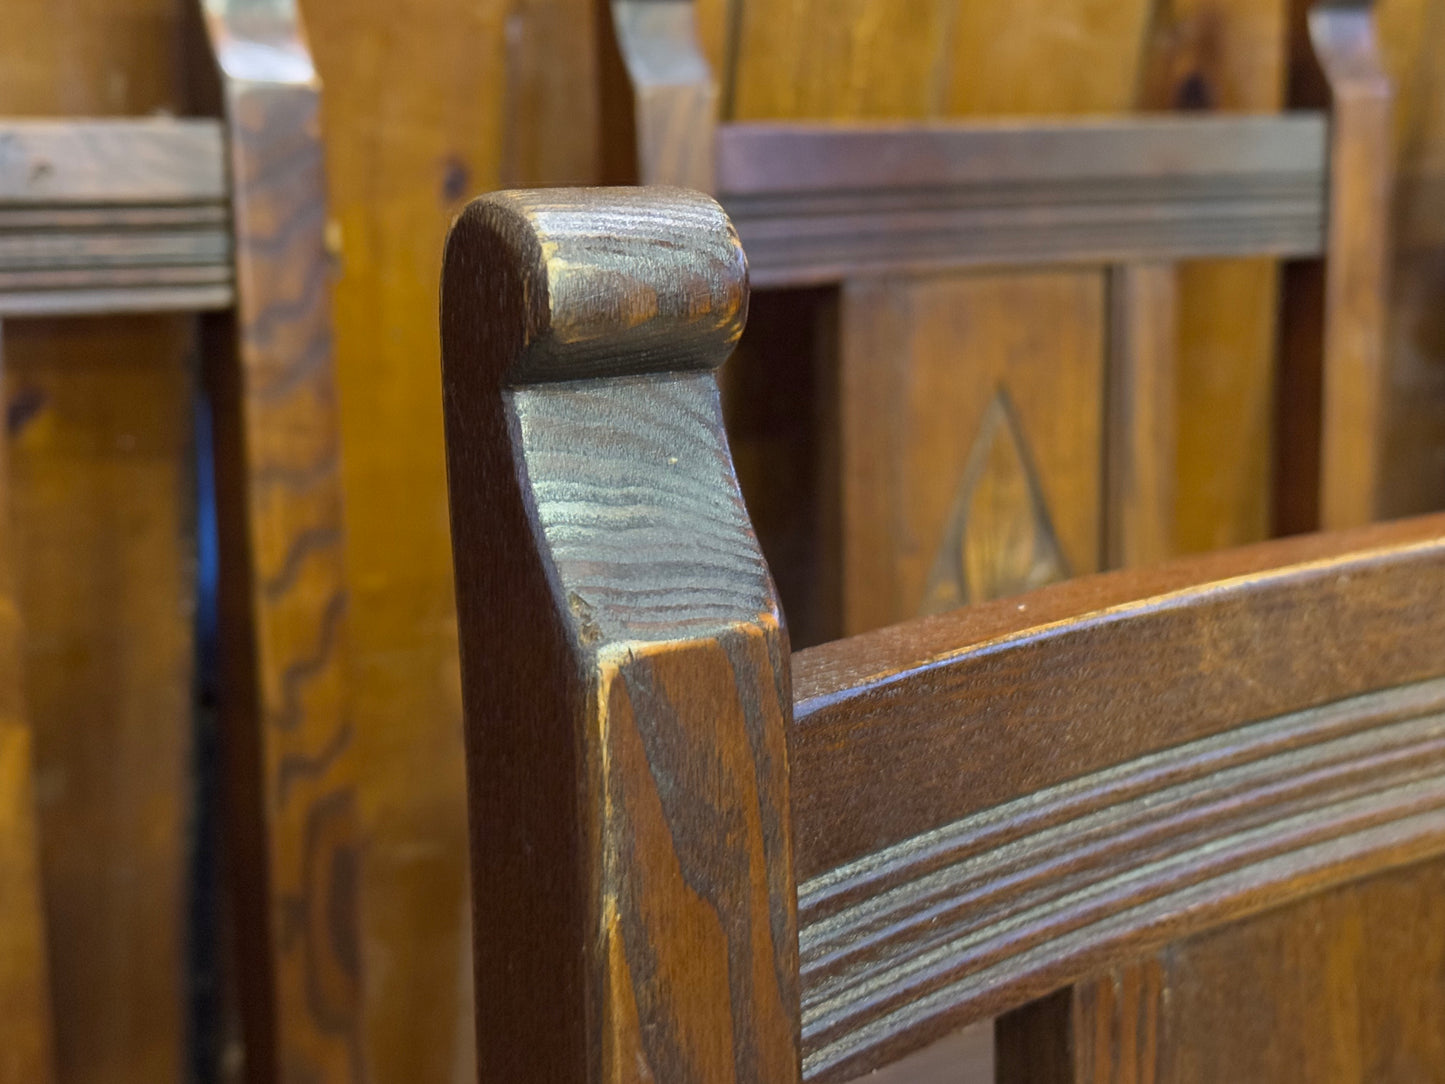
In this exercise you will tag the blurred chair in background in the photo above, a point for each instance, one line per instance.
(226, 217)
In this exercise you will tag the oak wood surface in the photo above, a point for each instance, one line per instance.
(98, 413)
(960, 485)
(633, 883)
(27, 1035)
(284, 599)
(815, 203)
(989, 804)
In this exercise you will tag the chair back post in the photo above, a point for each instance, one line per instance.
(1355, 368)
(289, 746)
(624, 660)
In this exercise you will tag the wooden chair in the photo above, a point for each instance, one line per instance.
(698, 858)
(226, 218)
(1053, 451)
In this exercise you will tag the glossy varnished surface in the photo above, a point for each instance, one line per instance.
(623, 655)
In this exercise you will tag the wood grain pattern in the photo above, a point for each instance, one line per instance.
(100, 439)
(1106, 1027)
(910, 422)
(27, 1035)
(673, 94)
(284, 597)
(1353, 981)
(628, 777)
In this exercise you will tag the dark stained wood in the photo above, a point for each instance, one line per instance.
(284, 597)
(633, 878)
(990, 804)
(913, 903)
(818, 203)
(823, 204)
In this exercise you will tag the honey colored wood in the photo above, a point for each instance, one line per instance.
(99, 436)
(1141, 436)
(632, 845)
(27, 1031)
(820, 204)
(964, 484)
(1355, 380)
(283, 597)
(99, 442)
(990, 804)
(292, 792)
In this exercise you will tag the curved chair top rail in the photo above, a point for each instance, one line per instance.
(819, 202)
(991, 803)
(701, 872)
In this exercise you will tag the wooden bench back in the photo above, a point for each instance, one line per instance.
(696, 857)
(1027, 445)
(226, 216)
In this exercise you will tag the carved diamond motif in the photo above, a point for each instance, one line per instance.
(999, 540)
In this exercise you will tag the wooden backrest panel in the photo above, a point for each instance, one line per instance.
(624, 663)
(993, 802)
(113, 215)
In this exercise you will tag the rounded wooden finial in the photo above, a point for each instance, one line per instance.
(583, 283)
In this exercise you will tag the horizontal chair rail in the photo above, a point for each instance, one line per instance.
(113, 216)
(815, 203)
(1113, 763)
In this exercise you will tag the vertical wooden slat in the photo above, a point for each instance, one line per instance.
(1355, 374)
(289, 735)
(1140, 437)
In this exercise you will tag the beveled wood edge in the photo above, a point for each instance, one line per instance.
(830, 672)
